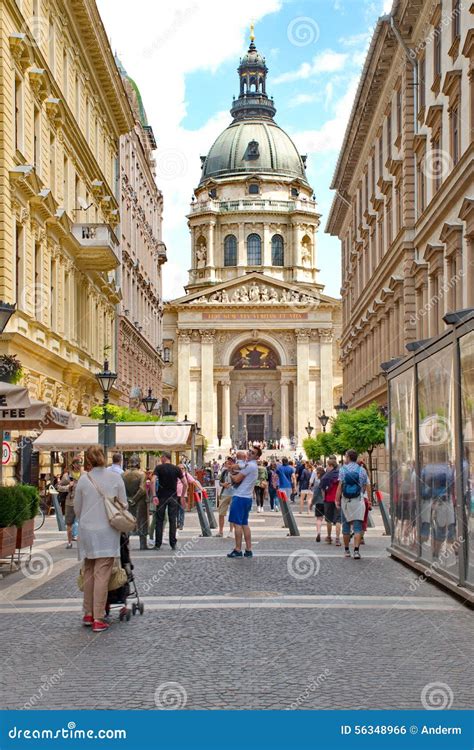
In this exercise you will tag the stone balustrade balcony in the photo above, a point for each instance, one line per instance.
(255, 204)
(98, 247)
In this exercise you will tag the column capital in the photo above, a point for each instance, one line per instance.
(225, 382)
(326, 335)
(184, 337)
(207, 335)
(302, 335)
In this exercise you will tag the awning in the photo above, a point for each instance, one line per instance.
(37, 416)
(130, 436)
(13, 396)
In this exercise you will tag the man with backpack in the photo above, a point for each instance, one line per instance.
(353, 480)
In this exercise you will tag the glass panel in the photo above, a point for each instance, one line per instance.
(402, 394)
(254, 250)
(437, 475)
(466, 344)
(277, 250)
(230, 250)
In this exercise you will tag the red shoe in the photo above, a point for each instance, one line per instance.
(87, 620)
(99, 626)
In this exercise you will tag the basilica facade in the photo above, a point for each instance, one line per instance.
(251, 350)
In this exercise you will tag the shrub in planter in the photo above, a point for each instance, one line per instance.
(15, 508)
(26, 533)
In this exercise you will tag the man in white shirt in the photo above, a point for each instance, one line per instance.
(116, 463)
(245, 478)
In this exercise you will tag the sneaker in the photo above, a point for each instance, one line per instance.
(318, 538)
(338, 542)
(347, 553)
(356, 554)
(328, 540)
(88, 621)
(69, 545)
(235, 553)
(99, 626)
(230, 535)
(362, 541)
(157, 546)
(219, 534)
(248, 553)
(173, 546)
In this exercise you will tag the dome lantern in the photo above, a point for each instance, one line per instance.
(253, 100)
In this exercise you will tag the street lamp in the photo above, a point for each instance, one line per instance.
(6, 311)
(106, 380)
(149, 402)
(323, 420)
(309, 428)
(341, 406)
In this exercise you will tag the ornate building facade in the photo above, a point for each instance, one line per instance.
(62, 112)
(140, 334)
(252, 346)
(404, 206)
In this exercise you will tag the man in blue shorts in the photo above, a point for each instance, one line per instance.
(350, 498)
(244, 481)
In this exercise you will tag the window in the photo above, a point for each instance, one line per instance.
(65, 73)
(51, 40)
(52, 295)
(294, 192)
(19, 265)
(18, 114)
(230, 250)
(78, 97)
(38, 301)
(381, 155)
(421, 187)
(37, 139)
(436, 160)
(213, 193)
(421, 81)
(399, 113)
(52, 163)
(373, 174)
(278, 253)
(65, 183)
(455, 133)
(167, 354)
(456, 24)
(437, 51)
(389, 135)
(254, 189)
(254, 250)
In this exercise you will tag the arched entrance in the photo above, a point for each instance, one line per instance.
(254, 393)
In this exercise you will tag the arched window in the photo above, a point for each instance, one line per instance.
(254, 250)
(230, 250)
(278, 255)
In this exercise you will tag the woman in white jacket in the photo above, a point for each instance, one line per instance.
(99, 543)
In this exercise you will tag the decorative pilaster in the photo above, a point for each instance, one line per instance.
(285, 415)
(208, 404)
(226, 436)
(302, 382)
(184, 341)
(467, 214)
(326, 369)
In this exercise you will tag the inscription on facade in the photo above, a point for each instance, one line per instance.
(254, 316)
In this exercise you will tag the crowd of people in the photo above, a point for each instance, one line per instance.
(337, 495)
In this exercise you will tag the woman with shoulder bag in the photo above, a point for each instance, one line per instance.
(99, 541)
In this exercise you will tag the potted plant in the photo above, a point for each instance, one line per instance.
(11, 370)
(25, 534)
(14, 510)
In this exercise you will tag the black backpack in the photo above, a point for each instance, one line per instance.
(351, 486)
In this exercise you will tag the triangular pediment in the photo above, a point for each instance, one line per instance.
(253, 288)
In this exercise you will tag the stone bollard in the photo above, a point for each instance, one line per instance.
(209, 513)
(204, 523)
(288, 517)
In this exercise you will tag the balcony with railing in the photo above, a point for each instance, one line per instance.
(98, 247)
(254, 204)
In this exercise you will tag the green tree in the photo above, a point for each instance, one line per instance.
(321, 445)
(362, 430)
(123, 414)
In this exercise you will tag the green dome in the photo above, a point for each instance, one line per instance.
(253, 146)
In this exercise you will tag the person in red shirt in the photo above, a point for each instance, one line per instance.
(328, 484)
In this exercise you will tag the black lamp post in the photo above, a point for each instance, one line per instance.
(6, 311)
(323, 420)
(149, 402)
(341, 406)
(106, 380)
(309, 428)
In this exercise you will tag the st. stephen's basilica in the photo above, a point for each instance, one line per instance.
(252, 346)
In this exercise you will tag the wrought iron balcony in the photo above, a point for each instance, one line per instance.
(98, 247)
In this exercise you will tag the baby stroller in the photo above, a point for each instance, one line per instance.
(118, 597)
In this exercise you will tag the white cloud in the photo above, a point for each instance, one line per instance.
(159, 44)
(327, 61)
(300, 99)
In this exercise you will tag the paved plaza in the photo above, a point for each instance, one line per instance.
(298, 626)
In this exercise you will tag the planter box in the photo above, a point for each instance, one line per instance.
(8, 541)
(25, 535)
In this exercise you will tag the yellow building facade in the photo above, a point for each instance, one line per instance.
(63, 108)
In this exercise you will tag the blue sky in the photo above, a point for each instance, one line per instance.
(184, 60)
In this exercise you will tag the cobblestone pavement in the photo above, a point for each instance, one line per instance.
(299, 626)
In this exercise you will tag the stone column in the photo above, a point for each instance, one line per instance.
(302, 383)
(285, 416)
(326, 369)
(184, 341)
(267, 246)
(215, 439)
(241, 249)
(226, 436)
(295, 245)
(208, 405)
(210, 245)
